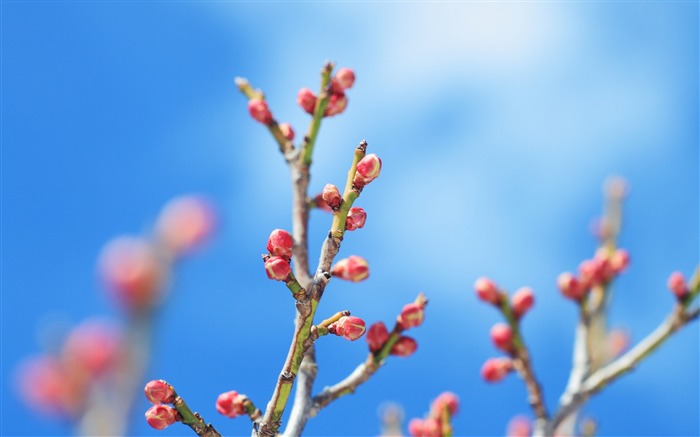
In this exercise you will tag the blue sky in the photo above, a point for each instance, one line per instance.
(497, 124)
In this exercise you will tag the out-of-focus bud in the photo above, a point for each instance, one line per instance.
(368, 169)
(446, 400)
(259, 111)
(287, 131)
(404, 347)
(277, 268)
(589, 274)
(353, 268)
(92, 347)
(46, 385)
(159, 392)
(307, 100)
(619, 261)
(280, 244)
(377, 335)
(519, 426)
(321, 204)
(231, 404)
(331, 195)
(161, 416)
(344, 79)
(432, 428)
(336, 104)
(616, 188)
(676, 283)
(415, 427)
(356, 218)
(570, 286)
(412, 315)
(616, 342)
(349, 327)
(522, 301)
(495, 369)
(131, 269)
(185, 223)
(487, 291)
(502, 336)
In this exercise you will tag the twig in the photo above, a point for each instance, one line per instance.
(194, 420)
(302, 398)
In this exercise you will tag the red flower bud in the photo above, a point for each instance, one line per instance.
(231, 404)
(287, 131)
(522, 301)
(431, 428)
(259, 111)
(332, 196)
(280, 244)
(184, 223)
(404, 347)
(377, 335)
(353, 268)
(336, 104)
(356, 218)
(446, 400)
(495, 369)
(349, 327)
(367, 170)
(321, 204)
(307, 100)
(502, 336)
(159, 392)
(344, 78)
(570, 286)
(676, 283)
(593, 272)
(619, 261)
(46, 385)
(415, 427)
(519, 426)
(161, 416)
(277, 268)
(412, 315)
(93, 347)
(487, 291)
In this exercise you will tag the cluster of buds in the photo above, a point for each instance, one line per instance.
(343, 79)
(279, 247)
(411, 316)
(353, 268)
(159, 393)
(520, 303)
(349, 327)
(594, 272)
(438, 421)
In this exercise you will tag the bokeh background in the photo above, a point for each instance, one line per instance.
(497, 124)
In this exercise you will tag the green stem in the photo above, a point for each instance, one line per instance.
(324, 96)
(194, 420)
(349, 195)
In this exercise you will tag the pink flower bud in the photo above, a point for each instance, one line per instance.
(415, 427)
(287, 131)
(159, 392)
(161, 416)
(570, 286)
(356, 218)
(280, 244)
(519, 426)
(495, 369)
(331, 196)
(522, 301)
(487, 291)
(231, 404)
(619, 261)
(353, 268)
(307, 100)
(502, 336)
(676, 283)
(277, 268)
(594, 272)
(259, 111)
(446, 400)
(321, 204)
(367, 170)
(93, 347)
(431, 428)
(616, 342)
(377, 335)
(344, 78)
(336, 104)
(185, 223)
(349, 327)
(404, 347)
(46, 385)
(412, 315)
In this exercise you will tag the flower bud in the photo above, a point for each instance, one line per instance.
(495, 369)
(336, 104)
(159, 392)
(502, 336)
(519, 426)
(377, 335)
(522, 301)
(446, 400)
(404, 347)
(344, 79)
(412, 315)
(431, 428)
(321, 204)
(367, 170)
(92, 347)
(161, 416)
(570, 286)
(280, 244)
(277, 268)
(676, 283)
(616, 342)
(307, 100)
(331, 196)
(593, 272)
(356, 218)
(259, 111)
(349, 327)
(487, 291)
(231, 404)
(46, 385)
(415, 427)
(184, 223)
(619, 261)
(353, 268)
(287, 131)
